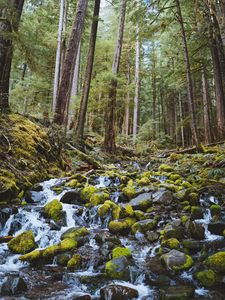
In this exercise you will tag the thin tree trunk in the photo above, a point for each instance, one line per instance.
(193, 124)
(127, 106)
(88, 72)
(8, 25)
(154, 92)
(181, 120)
(109, 142)
(137, 86)
(58, 55)
(64, 91)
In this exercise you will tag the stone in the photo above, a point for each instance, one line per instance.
(12, 285)
(196, 230)
(118, 292)
(143, 226)
(216, 262)
(217, 227)
(23, 243)
(152, 236)
(172, 231)
(163, 197)
(75, 233)
(117, 268)
(177, 260)
(207, 278)
(142, 202)
(71, 197)
(178, 292)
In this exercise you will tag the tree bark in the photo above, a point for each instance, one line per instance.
(63, 95)
(58, 54)
(88, 72)
(137, 86)
(193, 124)
(9, 22)
(109, 142)
(127, 105)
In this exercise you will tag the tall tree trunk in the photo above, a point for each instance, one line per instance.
(193, 124)
(64, 91)
(88, 72)
(8, 25)
(181, 120)
(127, 105)
(154, 92)
(137, 86)
(206, 107)
(109, 142)
(58, 55)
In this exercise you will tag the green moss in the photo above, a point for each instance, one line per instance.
(215, 209)
(22, 243)
(143, 181)
(129, 191)
(120, 251)
(75, 233)
(67, 244)
(184, 219)
(207, 278)
(50, 251)
(165, 168)
(175, 177)
(116, 212)
(175, 157)
(53, 210)
(118, 226)
(130, 221)
(139, 214)
(98, 198)
(103, 210)
(75, 262)
(31, 256)
(62, 259)
(196, 212)
(110, 203)
(113, 269)
(87, 192)
(216, 262)
(187, 265)
(143, 226)
(72, 183)
(171, 243)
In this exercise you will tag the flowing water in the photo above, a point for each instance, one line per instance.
(90, 279)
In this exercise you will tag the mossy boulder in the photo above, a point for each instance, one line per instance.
(177, 260)
(62, 259)
(172, 231)
(143, 226)
(32, 256)
(72, 183)
(75, 262)
(207, 278)
(215, 209)
(129, 191)
(142, 202)
(171, 243)
(165, 168)
(74, 233)
(216, 262)
(126, 210)
(23, 243)
(98, 198)
(196, 212)
(118, 268)
(8, 187)
(87, 192)
(119, 226)
(53, 210)
(103, 210)
(120, 251)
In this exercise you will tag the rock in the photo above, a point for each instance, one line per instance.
(216, 262)
(152, 236)
(172, 231)
(178, 292)
(117, 268)
(98, 198)
(118, 292)
(5, 239)
(53, 210)
(78, 296)
(75, 262)
(163, 197)
(196, 212)
(207, 278)
(217, 227)
(87, 192)
(62, 259)
(143, 226)
(120, 251)
(12, 285)
(119, 227)
(196, 230)
(192, 245)
(171, 243)
(154, 266)
(177, 260)
(5, 214)
(215, 209)
(71, 197)
(142, 202)
(75, 233)
(22, 243)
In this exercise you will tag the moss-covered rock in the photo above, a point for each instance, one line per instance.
(165, 168)
(87, 192)
(74, 233)
(75, 262)
(143, 226)
(53, 210)
(103, 210)
(22, 243)
(216, 262)
(32, 256)
(129, 191)
(98, 198)
(118, 226)
(171, 243)
(117, 268)
(177, 260)
(215, 209)
(62, 259)
(72, 183)
(196, 212)
(120, 251)
(207, 278)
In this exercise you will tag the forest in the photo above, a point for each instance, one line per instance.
(112, 149)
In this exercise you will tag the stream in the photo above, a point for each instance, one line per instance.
(52, 281)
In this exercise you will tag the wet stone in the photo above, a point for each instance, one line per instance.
(12, 285)
(163, 197)
(217, 227)
(197, 231)
(118, 292)
(71, 197)
(177, 293)
(142, 201)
